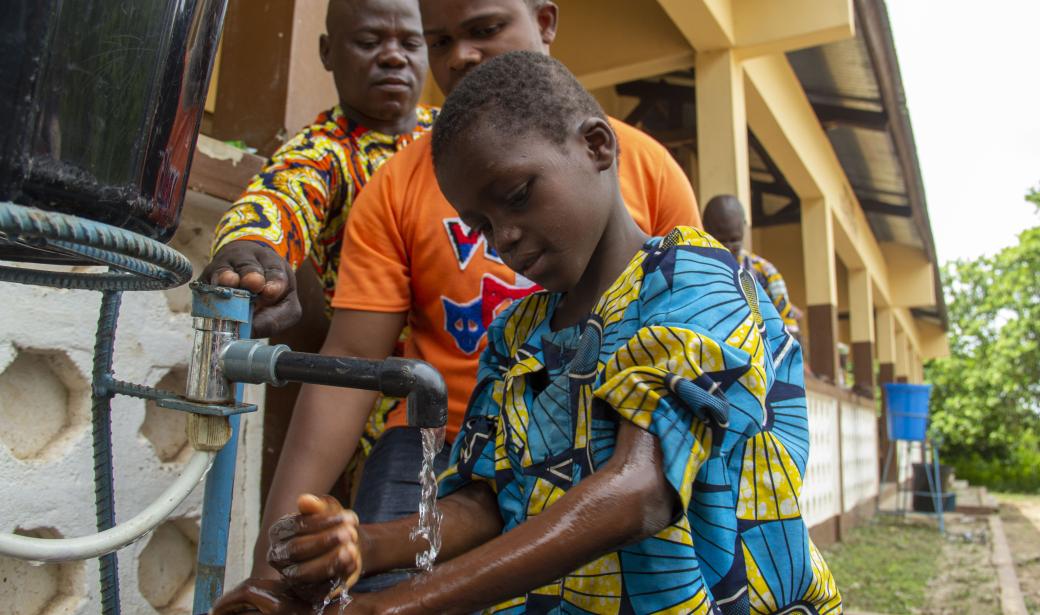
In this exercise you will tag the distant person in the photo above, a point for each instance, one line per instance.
(724, 219)
(297, 206)
(637, 436)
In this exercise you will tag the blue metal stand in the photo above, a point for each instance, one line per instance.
(932, 475)
(220, 483)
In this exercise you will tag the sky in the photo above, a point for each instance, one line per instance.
(971, 72)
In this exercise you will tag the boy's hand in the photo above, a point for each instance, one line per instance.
(259, 269)
(317, 548)
(263, 596)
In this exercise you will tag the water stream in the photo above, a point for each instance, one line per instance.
(338, 594)
(429, 526)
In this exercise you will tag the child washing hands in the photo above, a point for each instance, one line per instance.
(638, 435)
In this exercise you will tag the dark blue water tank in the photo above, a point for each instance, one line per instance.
(100, 105)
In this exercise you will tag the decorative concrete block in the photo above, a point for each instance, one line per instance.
(166, 567)
(164, 428)
(40, 589)
(44, 404)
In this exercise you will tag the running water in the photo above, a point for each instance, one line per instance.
(429, 526)
(337, 594)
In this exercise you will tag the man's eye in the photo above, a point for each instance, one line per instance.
(368, 43)
(487, 31)
(437, 43)
(413, 44)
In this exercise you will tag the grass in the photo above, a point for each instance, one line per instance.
(886, 565)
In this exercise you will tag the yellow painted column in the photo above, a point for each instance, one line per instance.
(886, 356)
(916, 367)
(886, 337)
(821, 287)
(861, 324)
(902, 357)
(722, 128)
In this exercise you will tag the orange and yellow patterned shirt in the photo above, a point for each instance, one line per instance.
(299, 202)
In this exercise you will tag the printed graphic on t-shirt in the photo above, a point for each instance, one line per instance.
(465, 242)
(468, 322)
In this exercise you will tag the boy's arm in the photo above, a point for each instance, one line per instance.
(327, 422)
(626, 500)
(270, 229)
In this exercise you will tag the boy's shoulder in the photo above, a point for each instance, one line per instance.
(684, 264)
(690, 246)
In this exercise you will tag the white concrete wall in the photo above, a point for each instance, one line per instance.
(46, 469)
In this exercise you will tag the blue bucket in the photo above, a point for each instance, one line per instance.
(907, 410)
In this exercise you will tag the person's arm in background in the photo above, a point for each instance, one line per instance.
(269, 231)
(328, 422)
(776, 288)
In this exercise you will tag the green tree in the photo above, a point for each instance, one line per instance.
(986, 396)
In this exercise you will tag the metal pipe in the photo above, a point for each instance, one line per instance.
(420, 382)
(206, 382)
(216, 519)
(101, 435)
(221, 316)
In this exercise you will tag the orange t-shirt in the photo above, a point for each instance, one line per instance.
(406, 250)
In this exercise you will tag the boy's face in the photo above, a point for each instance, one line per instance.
(377, 55)
(460, 34)
(541, 206)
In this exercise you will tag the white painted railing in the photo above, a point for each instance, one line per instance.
(821, 490)
(842, 472)
(859, 453)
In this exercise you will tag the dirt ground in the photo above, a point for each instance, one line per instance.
(1021, 517)
(966, 581)
(904, 567)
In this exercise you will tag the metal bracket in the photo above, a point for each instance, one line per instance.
(179, 403)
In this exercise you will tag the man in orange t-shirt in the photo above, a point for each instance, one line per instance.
(408, 259)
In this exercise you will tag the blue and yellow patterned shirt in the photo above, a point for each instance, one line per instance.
(685, 345)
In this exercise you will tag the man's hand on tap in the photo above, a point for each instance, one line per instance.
(257, 268)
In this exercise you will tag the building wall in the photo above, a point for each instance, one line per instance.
(46, 475)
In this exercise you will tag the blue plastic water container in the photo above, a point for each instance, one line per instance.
(907, 410)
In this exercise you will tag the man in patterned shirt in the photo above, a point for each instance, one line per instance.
(724, 220)
(297, 207)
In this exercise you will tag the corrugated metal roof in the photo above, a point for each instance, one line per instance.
(840, 76)
(857, 91)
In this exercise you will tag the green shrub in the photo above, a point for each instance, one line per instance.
(1019, 471)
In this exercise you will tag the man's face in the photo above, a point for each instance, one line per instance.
(540, 205)
(377, 56)
(729, 231)
(460, 34)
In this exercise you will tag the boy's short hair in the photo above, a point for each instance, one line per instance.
(515, 93)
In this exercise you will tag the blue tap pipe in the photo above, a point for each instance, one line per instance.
(224, 304)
